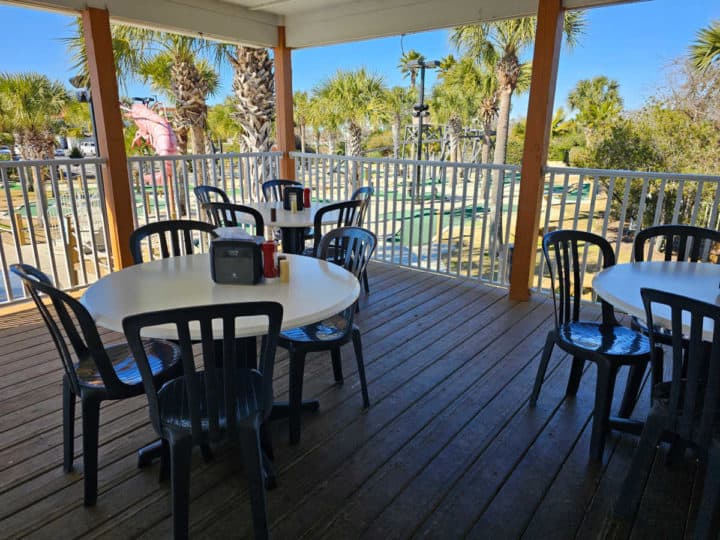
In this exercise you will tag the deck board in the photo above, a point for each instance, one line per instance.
(448, 449)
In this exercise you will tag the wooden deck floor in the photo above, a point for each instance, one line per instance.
(449, 448)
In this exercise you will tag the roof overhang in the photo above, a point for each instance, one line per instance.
(307, 23)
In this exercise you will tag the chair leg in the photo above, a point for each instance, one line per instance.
(180, 454)
(253, 465)
(576, 371)
(297, 370)
(604, 388)
(68, 426)
(540, 377)
(336, 358)
(657, 362)
(365, 281)
(710, 496)
(91, 425)
(268, 456)
(627, 503)
(357, 344)
(164, 461)
(632, 389)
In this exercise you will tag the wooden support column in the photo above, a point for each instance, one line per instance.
(537, 137)
(111, 144)
(284, 126)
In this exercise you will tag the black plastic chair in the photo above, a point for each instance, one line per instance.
(226, 215)
(345, 214)
(273, 189)
(607, 344)
(206, 406)
(677, 243)
(363, 194)
(687, 407)
(207, 194)
(350, 247)
(93, 372)
(175, 236)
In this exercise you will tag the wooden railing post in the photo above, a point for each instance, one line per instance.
(537, 135)
(111, 144)
(284, 126)
(20, 228)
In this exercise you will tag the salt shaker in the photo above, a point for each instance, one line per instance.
(273, 214)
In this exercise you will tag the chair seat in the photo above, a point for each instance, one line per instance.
(163, 355)
(604, 339)
(174, 411)
(331, 329)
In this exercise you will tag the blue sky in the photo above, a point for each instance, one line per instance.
(631, 43)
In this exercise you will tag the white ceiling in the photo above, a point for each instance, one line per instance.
(307, 23)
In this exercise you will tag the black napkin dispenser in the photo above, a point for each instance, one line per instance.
(288, 194)
(236, 262)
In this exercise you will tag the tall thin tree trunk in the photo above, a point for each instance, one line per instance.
(302, 138)
(503, 125)
(395, 128)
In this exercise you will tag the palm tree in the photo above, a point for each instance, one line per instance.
(178, 71)
(254, 93)
(398, 102)
(501, 44)
(172, 62)
(466, 94)
(357, 97)
(598, 103)
(302, 113)
(706, 49)
(31, 106)
(404, 66)
(221, 122)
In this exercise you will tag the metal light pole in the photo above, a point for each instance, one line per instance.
(83, 96)
(420, 110)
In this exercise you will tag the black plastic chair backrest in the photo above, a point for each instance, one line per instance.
(363, 194)
(346, 214)
(226, 215)
(568, 253)
(691, 243)
(273, 189)
(349, 247)
(695, 385)
(212, 321)
(174, 236)
(80, 336)
(206, 194)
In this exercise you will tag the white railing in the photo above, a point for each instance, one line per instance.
(616, 204)
(437, 216)
(163, 185)
(52, 216)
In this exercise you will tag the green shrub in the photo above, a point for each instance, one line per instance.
(75, 153)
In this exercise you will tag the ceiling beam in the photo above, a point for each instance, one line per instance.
(212, 19)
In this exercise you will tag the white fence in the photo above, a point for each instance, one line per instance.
(452, 218)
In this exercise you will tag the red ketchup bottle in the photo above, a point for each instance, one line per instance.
(268, 250)
(306, 197)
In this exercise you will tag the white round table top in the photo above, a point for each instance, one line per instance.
(620, 286)
(316, 290)
(285, 218)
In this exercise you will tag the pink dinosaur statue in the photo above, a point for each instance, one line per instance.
(154, 129)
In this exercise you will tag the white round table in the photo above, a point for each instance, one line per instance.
(620, 286)
(316, 290)
(291, 224)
